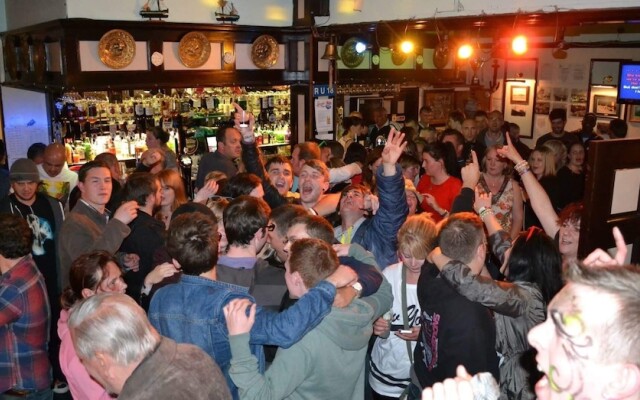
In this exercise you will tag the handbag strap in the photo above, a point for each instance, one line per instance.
(405, 317)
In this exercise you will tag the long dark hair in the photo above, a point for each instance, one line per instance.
(535, 258)
(445, 152)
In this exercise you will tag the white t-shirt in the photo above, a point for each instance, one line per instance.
(60, 186)
(390, 363)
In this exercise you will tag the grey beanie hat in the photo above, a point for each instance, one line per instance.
(24, 169)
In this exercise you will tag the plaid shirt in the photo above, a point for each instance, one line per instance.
(24, 328)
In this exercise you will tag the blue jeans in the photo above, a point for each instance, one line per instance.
(44, 394)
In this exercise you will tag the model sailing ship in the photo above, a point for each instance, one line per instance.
(154, 9)
(226, 14)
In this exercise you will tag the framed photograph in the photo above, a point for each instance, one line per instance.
(441, 103)
(520, 95)
(634, 113)
(605, 106)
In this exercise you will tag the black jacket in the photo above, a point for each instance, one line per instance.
(453, 331)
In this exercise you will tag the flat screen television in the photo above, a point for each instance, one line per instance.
(629, 83)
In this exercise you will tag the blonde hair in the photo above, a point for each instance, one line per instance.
(559, 149)
(417, 236)
(549, 160)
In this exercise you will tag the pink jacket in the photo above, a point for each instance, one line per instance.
(82, 386)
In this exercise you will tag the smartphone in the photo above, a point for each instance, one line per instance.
(405, 331)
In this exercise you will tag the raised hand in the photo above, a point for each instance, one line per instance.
(471, 172)
(209, 189)
(235, 312)
(483, 199)
(244, 122)
(599, 257)
(127, 212)
(510, 152)
(394, 147)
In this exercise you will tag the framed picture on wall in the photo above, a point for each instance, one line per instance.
(441, 103)
(520, 95)
(634, 113)
(605, 106)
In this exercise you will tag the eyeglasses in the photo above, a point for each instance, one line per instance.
(271, 227)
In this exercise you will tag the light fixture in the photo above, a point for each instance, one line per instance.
(465, 51)
(407, 46)
(519, 45)
(360, 47)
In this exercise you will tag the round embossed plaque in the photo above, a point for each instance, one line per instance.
(116, 48)
(264, 51)
(194, 49)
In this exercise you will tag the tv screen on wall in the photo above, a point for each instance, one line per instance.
(629, 84)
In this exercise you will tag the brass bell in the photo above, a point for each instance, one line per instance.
(331, 52)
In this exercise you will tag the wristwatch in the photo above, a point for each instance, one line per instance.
(358, 287)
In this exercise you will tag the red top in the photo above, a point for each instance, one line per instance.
(444, 193)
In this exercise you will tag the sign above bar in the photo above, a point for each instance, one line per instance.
(323, 90)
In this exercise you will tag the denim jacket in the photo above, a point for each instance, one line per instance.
(190, 311)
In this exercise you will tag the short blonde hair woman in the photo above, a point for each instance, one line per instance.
(390, 360)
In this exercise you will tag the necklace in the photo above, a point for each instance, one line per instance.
(493, 185)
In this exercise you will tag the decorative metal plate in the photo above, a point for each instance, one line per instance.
(350, 57)
(117, 49)
(264, 51)
(194, 49)
(398, 57)
(10, 58)
(441, 55)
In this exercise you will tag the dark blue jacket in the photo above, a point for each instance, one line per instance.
(379, 234)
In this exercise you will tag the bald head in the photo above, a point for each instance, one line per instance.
(54, 159)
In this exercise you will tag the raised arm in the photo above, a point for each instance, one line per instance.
(470, 175)
(503, 297)
(537, 195)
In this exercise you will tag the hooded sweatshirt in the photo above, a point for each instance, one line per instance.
(328, 363)
(81, 384)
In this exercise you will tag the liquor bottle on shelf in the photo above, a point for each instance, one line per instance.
(139, 116)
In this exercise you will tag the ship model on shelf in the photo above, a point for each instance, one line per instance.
(154, 9)
(227, 12)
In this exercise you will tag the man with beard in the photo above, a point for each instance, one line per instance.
(44, 214)
(558, 119)
(147, 233)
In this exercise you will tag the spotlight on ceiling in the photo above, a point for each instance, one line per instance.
(465, 51)
(407, 46)
(519, 45)
(360, 47)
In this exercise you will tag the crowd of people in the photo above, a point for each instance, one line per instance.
(393, 263)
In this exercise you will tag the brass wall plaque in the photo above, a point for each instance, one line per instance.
(117, 49)
(194, 49)
(264, 51)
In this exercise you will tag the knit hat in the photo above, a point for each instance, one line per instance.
(24, 169)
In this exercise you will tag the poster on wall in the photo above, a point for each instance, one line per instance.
(324, 114)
